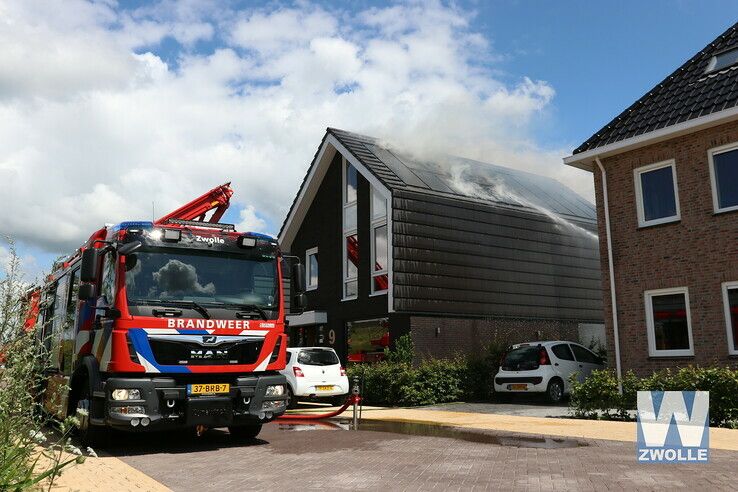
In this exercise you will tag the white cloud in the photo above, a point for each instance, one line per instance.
(250, 222)
(267, 32)
(95, 126)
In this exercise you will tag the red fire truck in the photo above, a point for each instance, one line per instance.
(177, 322)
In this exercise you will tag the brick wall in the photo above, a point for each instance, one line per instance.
(699, 252)
(445, 337)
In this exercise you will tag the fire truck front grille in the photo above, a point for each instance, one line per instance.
(175, 352)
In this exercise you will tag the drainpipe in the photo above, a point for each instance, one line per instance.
(613, 297)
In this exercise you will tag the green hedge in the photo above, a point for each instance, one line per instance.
(397, 382)
(598, 396)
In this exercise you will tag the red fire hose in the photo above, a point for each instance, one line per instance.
(311, 416)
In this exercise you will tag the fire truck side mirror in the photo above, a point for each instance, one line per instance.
(129, 248)
(86, 291)
(298, 278)
(89, 270)
(300, 303)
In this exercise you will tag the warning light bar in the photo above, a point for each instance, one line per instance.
(202, 225)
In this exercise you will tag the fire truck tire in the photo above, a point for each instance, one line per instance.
(89, 435)
(244, 432)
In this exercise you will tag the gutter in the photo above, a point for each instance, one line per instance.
(584, 160)
(613, 296)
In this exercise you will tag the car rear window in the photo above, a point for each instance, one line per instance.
(521, 359)
(317, 357)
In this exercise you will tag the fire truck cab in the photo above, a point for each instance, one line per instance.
(173, 323)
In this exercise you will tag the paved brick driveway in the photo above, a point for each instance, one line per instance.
(338, 459)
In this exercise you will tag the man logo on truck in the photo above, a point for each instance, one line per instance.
(208, 354)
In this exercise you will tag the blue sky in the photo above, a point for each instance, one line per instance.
(599, 56)
(106, 109)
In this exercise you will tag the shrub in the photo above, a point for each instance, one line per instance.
(434, 381)
(396, 381)
(480, 372)
(598, 394)
(381, 382)
(22, 442)
(403, 352)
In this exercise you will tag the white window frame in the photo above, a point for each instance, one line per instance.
(376, 223)
(348, 232)
(728, 325)
(642, 222)
(308, 254)
(713, 176)
(650, 327)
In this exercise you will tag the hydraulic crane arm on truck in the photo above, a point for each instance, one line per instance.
(173, 323)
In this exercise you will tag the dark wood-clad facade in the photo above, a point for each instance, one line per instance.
(452, 257)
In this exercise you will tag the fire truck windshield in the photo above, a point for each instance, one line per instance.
(204, 278)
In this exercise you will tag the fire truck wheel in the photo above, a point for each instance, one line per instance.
(243, 432)
(89, 435)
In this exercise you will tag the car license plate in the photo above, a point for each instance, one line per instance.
(208, 389)
(518, 387)
(324, 388)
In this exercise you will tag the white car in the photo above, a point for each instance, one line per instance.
(315, 373)
(545, 367)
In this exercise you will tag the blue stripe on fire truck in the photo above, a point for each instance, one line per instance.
(141, 345)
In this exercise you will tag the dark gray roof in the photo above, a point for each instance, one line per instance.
(686, 94)
(466, 178)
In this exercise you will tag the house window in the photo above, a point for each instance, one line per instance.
(730, 301)
(380, 246)
(668, 322)
(722, 60)
(724, 177)
(311, 267)
(350, 240)
(656, 193)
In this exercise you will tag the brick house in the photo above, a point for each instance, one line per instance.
(666, 184)
(453, 251)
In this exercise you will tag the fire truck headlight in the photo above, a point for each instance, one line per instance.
(275, 390)
(126, 394)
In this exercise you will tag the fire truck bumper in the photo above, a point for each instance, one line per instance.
(166, 402)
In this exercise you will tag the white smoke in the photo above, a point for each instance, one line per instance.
(496, 190)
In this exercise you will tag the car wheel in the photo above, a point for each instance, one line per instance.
(291, 399)
(244, 431)
(555, 391)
